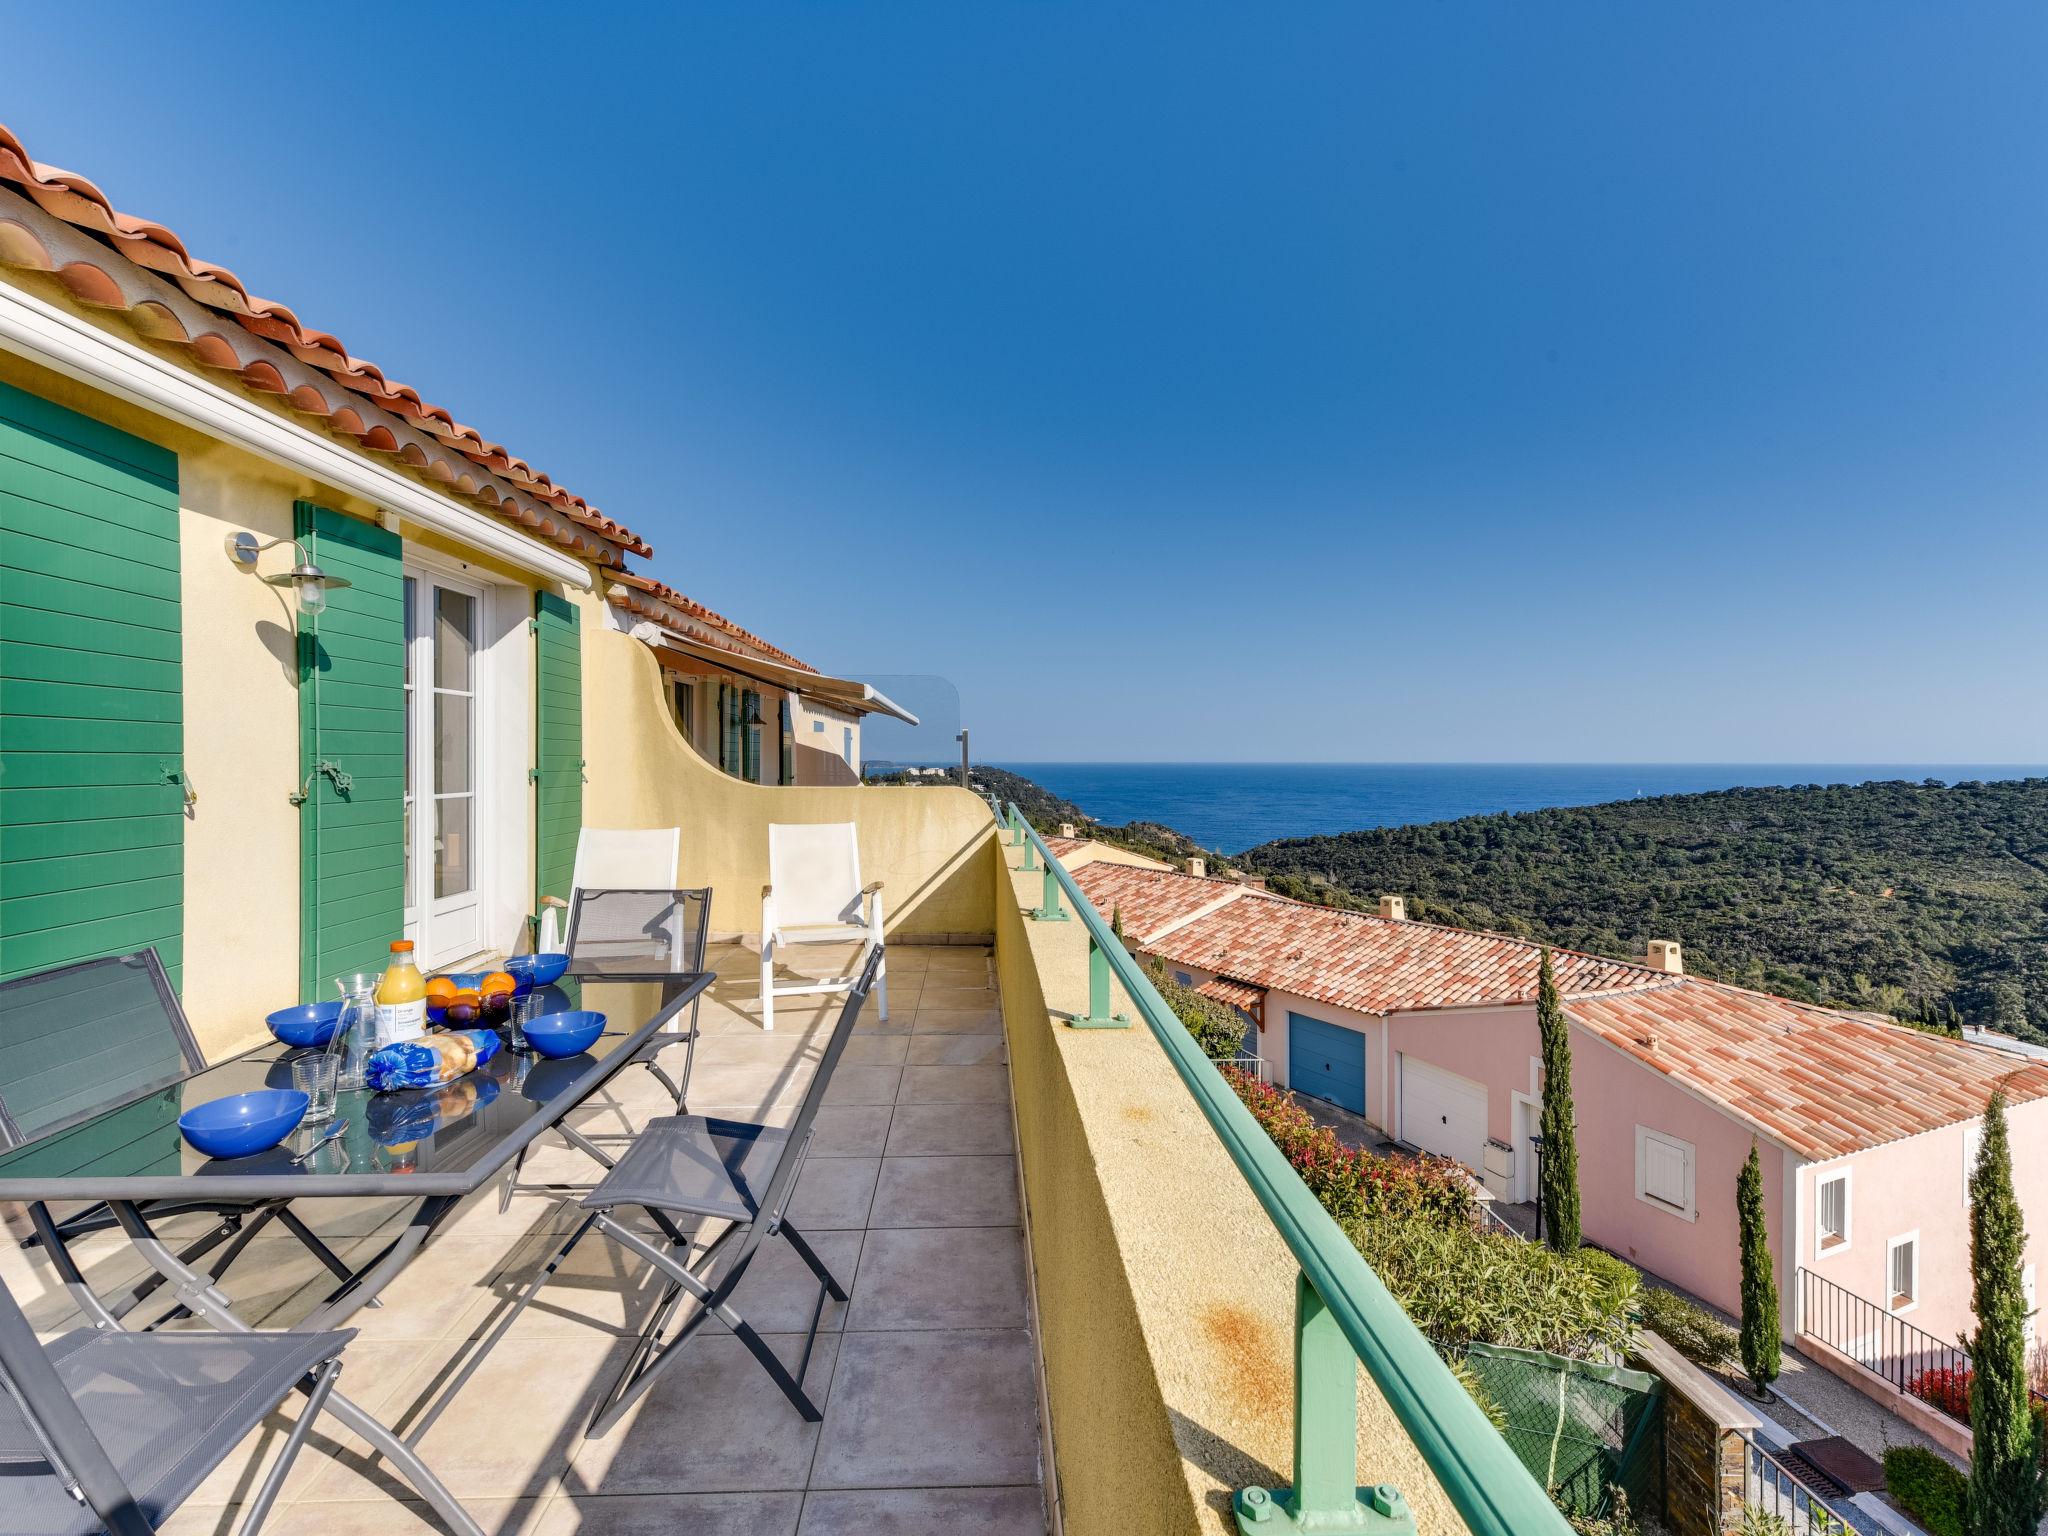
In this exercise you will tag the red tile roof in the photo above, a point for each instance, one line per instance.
(696, 610)
(1237, 994)
(1347, 959)
(1821, 1081)
(75, 200)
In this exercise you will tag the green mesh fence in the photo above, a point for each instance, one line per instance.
(1582, 1430)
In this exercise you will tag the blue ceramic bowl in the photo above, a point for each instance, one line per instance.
(532, 971)
(243, 1123)
(565, 1034)
(466, 981)
(311, 1024)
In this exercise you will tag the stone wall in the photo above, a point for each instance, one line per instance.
(1705, 1444)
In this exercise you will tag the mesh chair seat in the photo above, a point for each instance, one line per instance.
(696, 1166)
(168, 1407)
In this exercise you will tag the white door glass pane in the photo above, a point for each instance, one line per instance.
(1902, 1274)
(453, 740)
(454, 848)
(410, 631)
(454, 638)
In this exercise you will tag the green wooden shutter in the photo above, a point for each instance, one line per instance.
(558, 738)
(750, 736)
(734, 714)
(352, 741)
(785, 744)
(92, 801)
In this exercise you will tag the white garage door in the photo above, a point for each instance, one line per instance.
(1443, 1112)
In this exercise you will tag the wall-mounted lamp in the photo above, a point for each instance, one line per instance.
(308, 580)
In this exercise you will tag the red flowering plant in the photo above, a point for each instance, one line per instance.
(1349, 1182)
(1946, 1387)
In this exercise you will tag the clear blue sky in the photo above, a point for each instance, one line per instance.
(1424, 382)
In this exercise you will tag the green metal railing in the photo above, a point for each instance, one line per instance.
(1344, 1315)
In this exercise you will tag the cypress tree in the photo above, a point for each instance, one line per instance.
(1760, 1323)
(2006, 1493)
(1558, 1191)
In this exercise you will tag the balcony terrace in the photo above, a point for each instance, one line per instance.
(1086, 1292)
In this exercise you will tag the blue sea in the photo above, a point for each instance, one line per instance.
(1235, 806)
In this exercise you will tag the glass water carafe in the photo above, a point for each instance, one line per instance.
(355, 1037)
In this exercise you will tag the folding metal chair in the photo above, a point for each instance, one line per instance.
(632, 935)
(109, 1431)
(686, 1166)
(82, 1038)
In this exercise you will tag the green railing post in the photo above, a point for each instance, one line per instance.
(1030, 866)
(1049, 908)
(1016, 827)
(1324, 1498)
(1099, 1016)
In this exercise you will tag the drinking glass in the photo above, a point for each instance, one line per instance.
(524, 1006)
(317, 1074)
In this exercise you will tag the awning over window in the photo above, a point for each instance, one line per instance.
(1237, 994)
(845, 693)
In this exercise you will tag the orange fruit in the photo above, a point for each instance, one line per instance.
(441, 988)
(498, 983)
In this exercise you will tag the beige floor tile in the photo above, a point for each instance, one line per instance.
(945, 1192)
(834, 1193)
(938, 996)
(778, 1291)
(875, 1050)
(509, 1433)
(943, 1130)
(920, 1511)
(930, 1410)
(864, 1085)
(850, 1130)
(957, 1021)
(368, 1517)
(713, 1422)
(940, 1277)
(988, 1084)
(673, 1514)
(955, 1050)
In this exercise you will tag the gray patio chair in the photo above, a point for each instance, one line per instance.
(102, 1430)
(689, 1169)
(630, 934)
(82, 1038)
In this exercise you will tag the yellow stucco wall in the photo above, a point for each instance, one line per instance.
(925, 845)
(241, 713)
(1165, 1297)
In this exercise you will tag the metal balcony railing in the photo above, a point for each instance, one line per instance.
(1911, 1359)
(1772, 1488)
(1344, 1316)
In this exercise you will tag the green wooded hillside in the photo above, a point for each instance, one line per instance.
(1925, 901)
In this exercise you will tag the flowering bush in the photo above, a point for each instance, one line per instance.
(1946, 1387)
(1350, 1183)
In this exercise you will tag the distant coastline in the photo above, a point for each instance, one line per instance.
(1235, 806)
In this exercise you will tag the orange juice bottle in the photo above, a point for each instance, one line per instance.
(401, 998)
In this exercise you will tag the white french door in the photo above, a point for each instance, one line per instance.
(443, 620)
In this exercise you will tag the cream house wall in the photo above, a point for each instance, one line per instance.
(241, 717)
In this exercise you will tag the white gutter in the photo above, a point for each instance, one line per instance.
(47, 335)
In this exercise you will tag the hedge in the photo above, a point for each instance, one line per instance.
(1928, 1488)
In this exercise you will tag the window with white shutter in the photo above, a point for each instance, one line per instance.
(1664, 1172)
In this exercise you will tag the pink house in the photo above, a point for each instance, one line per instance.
(1865, 1129)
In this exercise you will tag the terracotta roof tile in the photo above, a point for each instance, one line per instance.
(1821, 1081)
(696, 610)
(75, 200)
(1237, 994)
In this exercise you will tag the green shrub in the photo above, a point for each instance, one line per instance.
(1620, 1520)
(1755, 1522)
(1463, 1286)
(1218, 1029)
(1928, 1489)
(1688, 1328)
(1354, 1184)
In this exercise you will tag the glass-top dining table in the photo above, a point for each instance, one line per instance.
(432, 1146)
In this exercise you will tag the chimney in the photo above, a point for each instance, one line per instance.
(1066, 829)
(1199, 868)
(1666, 955)
(1395, 907)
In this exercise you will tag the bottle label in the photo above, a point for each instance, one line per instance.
(401, 1021)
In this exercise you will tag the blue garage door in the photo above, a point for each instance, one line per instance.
(1326, 1060)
